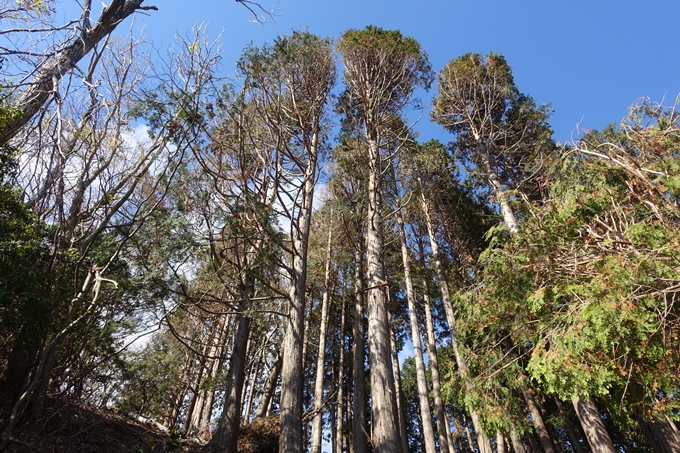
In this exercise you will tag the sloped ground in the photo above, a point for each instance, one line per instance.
(72, 427)
(261, 436)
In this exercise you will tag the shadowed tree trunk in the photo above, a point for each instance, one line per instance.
(225, 437)
(517, 444)
(269, 388)
(592, 425)
(421, 378)
(321, 355)
(537, 419)
(571, 429)
(341, 377)
(482, 439)
(359, 399)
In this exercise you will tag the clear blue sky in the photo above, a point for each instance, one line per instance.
(589, 58)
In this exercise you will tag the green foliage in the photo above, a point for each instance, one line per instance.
(374, 38)
(382, 69)
(587, 285)
(494, 124)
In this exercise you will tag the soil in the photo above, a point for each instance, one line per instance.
(73, 427)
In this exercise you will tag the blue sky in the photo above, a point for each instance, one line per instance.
(590, 59)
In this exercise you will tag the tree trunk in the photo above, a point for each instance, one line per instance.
(292, 373)
(421, 378)
(531, 439)
(501, 196)
(399, 400)
(649, 434)
(469, 438)
(592, 425)
(317, 421)
(667, 433)
(482, 440)
(442, 425)
(225, 437)
(571, 429)
(269, 387)
(537, 418)
(500, 442)
(661, 433)
(251, 388)
(186, 427)
(341, 377)
(384, 419)
(517, 444)
(358, 374)
(219, 348)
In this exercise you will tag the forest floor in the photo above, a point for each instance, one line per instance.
(74, 427)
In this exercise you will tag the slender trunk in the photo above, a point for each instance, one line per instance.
(517, 444)
(251, 389)
(191, 409)
(358, 376)
(449, 440)
(442, 425)
(269, 387)
(292, 373)
(537, 418)
(399, 400)
(226, 435)
(219, 349)
(384, 419)
(469, 438)
(348, 417)
(500, 442)
(501, 196)
(181, 390)
(321, 355)
(421, 378)
(531, 439)
(248, 369)
(571, 429)
(341, 377)
(482, 440)
(589, 416)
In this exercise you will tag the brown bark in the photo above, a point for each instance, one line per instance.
(269, 388)
(500, 443)
(251, 389)
(517, 444)
(537, 419)
(661, 433)
(592, 425)
(421, 378)
(482, 440)
(571, 429)
(399, 400)
(384, 419)
(358, 376)
(291, 440)
(225, 437)
(317, 420)
(341, 377)
(442, 426)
